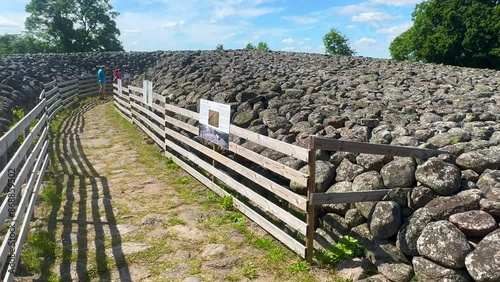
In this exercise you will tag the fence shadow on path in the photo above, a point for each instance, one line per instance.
(86, 214)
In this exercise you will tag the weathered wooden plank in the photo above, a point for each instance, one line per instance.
(55, 112)
(182, 111)
(157, 96)
(52, 99)
(11, 136)
(351, 197)
(123, 112)
(27, 219)
(68, 100)
(50, 84)
(183, 125)
(280, 146)
(69, 93)
(136, 89)
(148, 132)
(158, 108)
(258, 200)
(311, 217)
(272, 165)
(135, 97)
(279, 234)
(122, 103)
(149, 113)
(328, 144)
(151, 124)
(289, 196)
(54, 106)
(51, 92)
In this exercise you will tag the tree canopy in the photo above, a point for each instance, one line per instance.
(74, 25)
(262, 46)
(454, 32)
(20, 44)
(337, 44)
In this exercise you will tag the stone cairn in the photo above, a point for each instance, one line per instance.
(445, 229)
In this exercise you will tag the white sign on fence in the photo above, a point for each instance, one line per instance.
(120, 87)
(214, 122)
(147, 91)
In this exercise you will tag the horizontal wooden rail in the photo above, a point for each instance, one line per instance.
(329, 144)
(280, 146)
(11, 136)
(257, 199)
(289, 196)
(351, 197)
(286, 239)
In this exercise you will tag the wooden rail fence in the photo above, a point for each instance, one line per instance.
(175, 130)
(24, 151)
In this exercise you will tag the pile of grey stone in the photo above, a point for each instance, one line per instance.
(445, 229)
(22, 76)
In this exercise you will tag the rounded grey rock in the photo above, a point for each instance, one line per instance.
(483, 264)
(474, 223)
(444, 243)
(443, 178)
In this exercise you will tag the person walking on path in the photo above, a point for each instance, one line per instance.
(101, 76)
(117, 74)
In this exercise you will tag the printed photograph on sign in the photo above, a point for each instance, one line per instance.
(214, 122)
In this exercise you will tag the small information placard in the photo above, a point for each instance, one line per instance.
(147, 91)
(214, 122)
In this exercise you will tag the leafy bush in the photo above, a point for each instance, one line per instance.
(346, 247)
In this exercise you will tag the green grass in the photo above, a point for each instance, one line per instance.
(175, 221)
(49, 196)
(227, 203)
(250, 271)
(299, 266)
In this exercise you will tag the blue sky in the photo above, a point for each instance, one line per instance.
(285, 25)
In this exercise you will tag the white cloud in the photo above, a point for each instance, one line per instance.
(395, 30)
(288, 41)
(173, 24)
(354, 9)
(398, 3)
(288, 49)
(131, 30)
(351, 26)
(372, 17)
(365, 41)
(301, 19)
(7, 23)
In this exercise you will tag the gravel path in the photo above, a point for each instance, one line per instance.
(126, 215)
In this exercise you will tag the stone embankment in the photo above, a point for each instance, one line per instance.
(447, 227)
(22, 76)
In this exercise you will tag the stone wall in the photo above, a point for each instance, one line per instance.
(447, 228)
(22, 76)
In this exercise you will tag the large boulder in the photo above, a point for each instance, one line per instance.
(340, 208)
(347, 171)
(385, 220)
(400, 173)
(444, 243)
(489, 183)
(367, 181)
(325, 176)
(441, 208)
(410, 231)
(480, 160)
(474, 223)
(427, 270)
(442, 177)
(483, 263)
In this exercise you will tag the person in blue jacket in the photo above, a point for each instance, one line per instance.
(101, 76)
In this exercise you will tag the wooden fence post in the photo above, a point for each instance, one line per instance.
(311, 188)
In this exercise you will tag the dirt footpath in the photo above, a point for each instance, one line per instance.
(129, 214)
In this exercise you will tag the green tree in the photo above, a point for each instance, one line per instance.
(337, 44)
(262, 46)
(250, 47)
(219, 47)
(74, 25)
(453, 32)
(20, 44)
